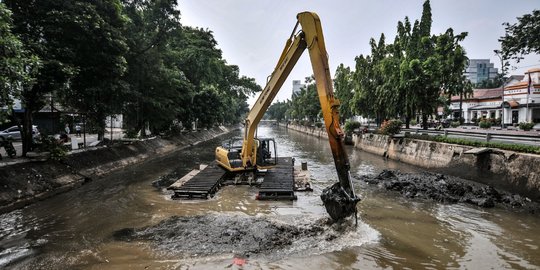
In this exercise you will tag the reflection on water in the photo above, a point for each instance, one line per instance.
(74, 230)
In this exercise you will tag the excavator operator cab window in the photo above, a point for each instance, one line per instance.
(266, 152)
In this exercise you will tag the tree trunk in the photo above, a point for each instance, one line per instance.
(424, 121)
(407, 121)
(26, 131)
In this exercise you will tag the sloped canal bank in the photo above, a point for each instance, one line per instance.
(122, 222)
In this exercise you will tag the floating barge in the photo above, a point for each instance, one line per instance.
(278, 183)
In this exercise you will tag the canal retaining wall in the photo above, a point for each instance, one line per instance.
(26, 182)
(508, 170)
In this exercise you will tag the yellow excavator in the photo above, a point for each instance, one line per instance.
(245, 158)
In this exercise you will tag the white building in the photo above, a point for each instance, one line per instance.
(520, 104)
(483, 103)
(522, 100)
(480, 70)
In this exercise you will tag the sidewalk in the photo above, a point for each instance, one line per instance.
(118, 134)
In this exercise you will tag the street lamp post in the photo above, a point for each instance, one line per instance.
(503, 68)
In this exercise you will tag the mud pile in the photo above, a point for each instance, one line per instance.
(215, 234)
(447, 189)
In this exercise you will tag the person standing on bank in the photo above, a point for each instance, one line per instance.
(67, 129)
(78, 130)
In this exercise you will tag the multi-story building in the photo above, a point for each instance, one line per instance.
(480, 70)
(521, 101)
(297, 85)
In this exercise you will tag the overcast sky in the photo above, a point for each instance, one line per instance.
(252, 33)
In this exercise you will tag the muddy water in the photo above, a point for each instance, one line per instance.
(75, 230)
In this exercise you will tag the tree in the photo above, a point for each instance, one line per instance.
(159, 89)
(176, 73)
(278, 110)
(370, 97)
(452, 61)
(305, 105)
(13, 60)
(81, 51)
(343, 89)
(407, 77)
(523, 37)
(92, 34)
(37, 23)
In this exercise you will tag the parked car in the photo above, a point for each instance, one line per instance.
(15, 133)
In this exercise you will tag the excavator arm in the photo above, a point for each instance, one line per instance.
(340, 200)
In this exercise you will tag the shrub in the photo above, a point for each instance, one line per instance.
(350, 126)
(319, 124)
(413, 123)
(455, 124)
(526, 126)
(390, 127)
(130, 133)
(305, 123)
(484, 123)
(474, 120)
(50, 144)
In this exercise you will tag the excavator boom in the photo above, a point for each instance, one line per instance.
(340, 200)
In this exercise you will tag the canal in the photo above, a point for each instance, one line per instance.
(75, 230)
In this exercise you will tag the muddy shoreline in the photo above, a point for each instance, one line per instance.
(24, 183)
(448, 190)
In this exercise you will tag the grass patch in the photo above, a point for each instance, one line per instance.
(467, 142)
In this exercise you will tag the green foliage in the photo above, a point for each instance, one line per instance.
(305, 104)
(467, 142)
(107, 57)
(50, 144)
(130, 133)
(523, 37)
(11, 63)
(526, 126)
(350, 126)
(455, 124)
(177, 73)
(485, 123)
(278, 110)
(413, 122)
(406, 77)
(343, 86)
(390, 127)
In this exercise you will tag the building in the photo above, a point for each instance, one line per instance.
(297, 85)
(521, 101)
(480, 70)
(483, 103)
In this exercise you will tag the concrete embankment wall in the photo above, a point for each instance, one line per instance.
(27, 182)
(508, 170)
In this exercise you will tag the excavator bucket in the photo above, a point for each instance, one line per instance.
(338, 203)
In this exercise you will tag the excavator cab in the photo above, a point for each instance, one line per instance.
(266, 153)
(229, 154)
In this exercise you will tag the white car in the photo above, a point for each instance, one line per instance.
(15, 133)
